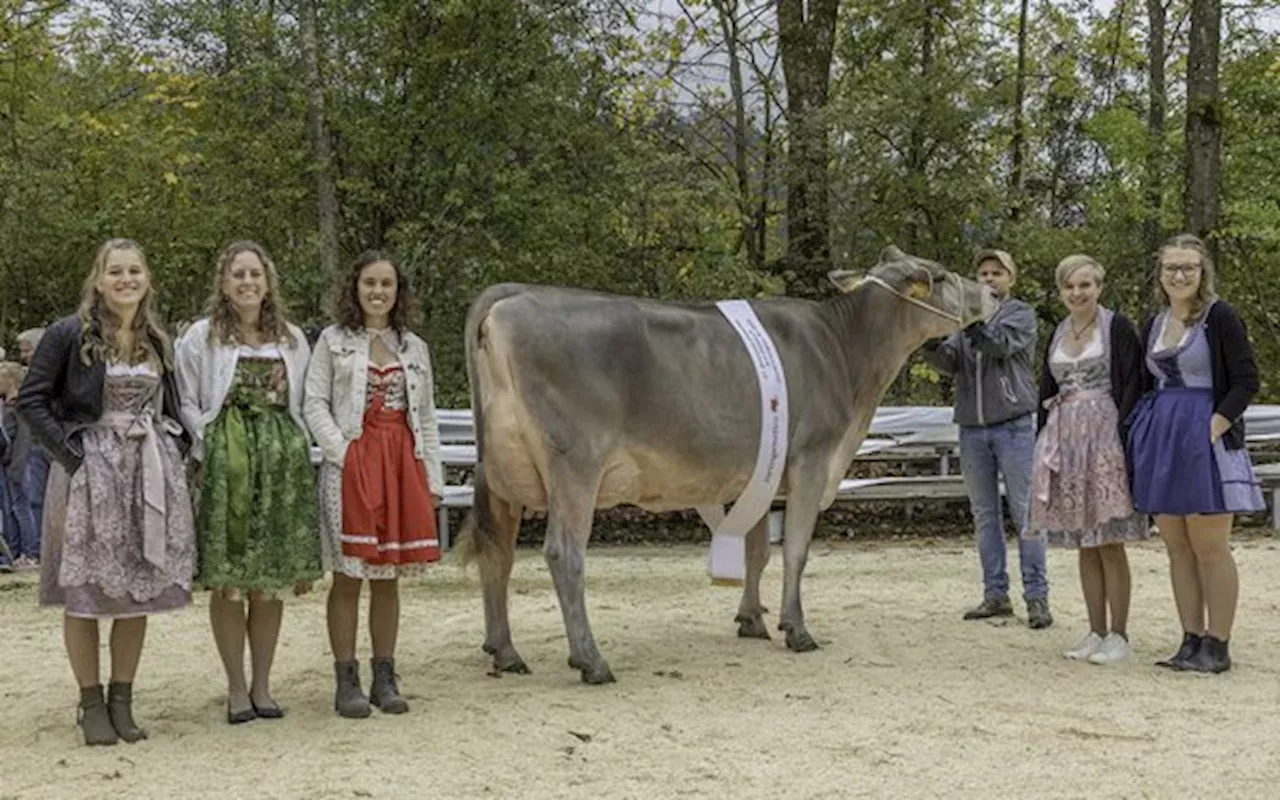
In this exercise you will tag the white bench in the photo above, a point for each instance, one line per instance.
(897, 433)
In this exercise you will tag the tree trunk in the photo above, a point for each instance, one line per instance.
(1154, 185)
(1204, 121)
(806, 35)
(728, 13)
(917, 154)
(766, 183)
(1016, 145)
(230, 35)
(326, 193)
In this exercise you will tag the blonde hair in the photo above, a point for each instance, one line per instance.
(10, 371)
(223, 319)
(1206, 292)
(1069, 265)
(99, 325)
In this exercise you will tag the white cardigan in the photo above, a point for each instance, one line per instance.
(337, 381)
(206, 370)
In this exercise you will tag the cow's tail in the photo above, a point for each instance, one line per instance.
(479, 539)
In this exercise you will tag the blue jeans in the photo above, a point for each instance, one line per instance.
(987, 454)
(34, 480)
(20, 531)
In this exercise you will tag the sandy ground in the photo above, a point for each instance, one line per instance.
(903, 700)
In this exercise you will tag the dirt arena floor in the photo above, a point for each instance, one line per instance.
(903, 700)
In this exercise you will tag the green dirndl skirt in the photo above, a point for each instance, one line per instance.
(257, 527)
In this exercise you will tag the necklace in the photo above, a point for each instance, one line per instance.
(1076, 333)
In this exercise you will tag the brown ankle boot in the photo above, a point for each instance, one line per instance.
(384, 693)
(93, 719)
(348, 700)
(120, 707)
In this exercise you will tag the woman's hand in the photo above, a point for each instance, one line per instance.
(1218, 426)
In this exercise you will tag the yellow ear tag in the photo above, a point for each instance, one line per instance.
(919, 291)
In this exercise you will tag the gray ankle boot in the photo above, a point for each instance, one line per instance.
(349, 701)
(120, 709)
(384, 693)
(93, 719)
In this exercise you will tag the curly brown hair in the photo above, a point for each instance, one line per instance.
(346, 301)
(273, 322)
(99, 325)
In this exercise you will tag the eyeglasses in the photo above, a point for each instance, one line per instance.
(1186, 269)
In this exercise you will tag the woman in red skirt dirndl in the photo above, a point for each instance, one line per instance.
(370, 405)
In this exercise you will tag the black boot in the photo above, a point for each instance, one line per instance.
(120, 706)
(348, 700)
(1190, 645)
(93, 719)
(384, 693)
(1211, 657)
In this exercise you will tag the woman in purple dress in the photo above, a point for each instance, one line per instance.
(1187, 446)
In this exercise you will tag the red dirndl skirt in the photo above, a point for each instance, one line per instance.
(387, 513)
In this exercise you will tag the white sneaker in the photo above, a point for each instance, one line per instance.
(1087, 647)
(1114, 648)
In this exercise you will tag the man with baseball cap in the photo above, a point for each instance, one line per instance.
(995, 404)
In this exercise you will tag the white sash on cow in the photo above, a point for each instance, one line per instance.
(727, 560)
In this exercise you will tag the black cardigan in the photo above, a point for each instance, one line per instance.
(1235, 373)
(61, 396)
(1127, 372)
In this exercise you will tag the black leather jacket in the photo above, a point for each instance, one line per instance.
(60, 396)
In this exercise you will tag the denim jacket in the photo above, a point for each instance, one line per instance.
(336, 385)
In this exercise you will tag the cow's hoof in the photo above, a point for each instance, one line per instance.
(512, 663)
(752, 627)
(799, 641)
(597, 676)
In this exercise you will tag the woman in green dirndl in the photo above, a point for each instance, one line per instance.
(240, 375)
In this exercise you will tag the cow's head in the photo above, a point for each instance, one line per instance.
(940, 301)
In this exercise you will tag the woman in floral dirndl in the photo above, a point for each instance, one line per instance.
(241, 372)
(371, 407)
(119, 538)
(1079, 479)
(1187, 446)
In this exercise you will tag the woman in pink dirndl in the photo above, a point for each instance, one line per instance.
(1079, 480)
(119, 537)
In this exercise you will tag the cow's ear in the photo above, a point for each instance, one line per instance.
(920, 284)
(844, 280)
(892, 254)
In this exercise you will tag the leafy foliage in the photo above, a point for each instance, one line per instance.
(592, 143)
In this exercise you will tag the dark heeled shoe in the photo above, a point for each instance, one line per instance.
(120, 708)
(1212, 657)
(93, 719)
(268, 712)
(240, 717)
(1190, 645)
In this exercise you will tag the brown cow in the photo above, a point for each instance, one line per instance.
(585, 400)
